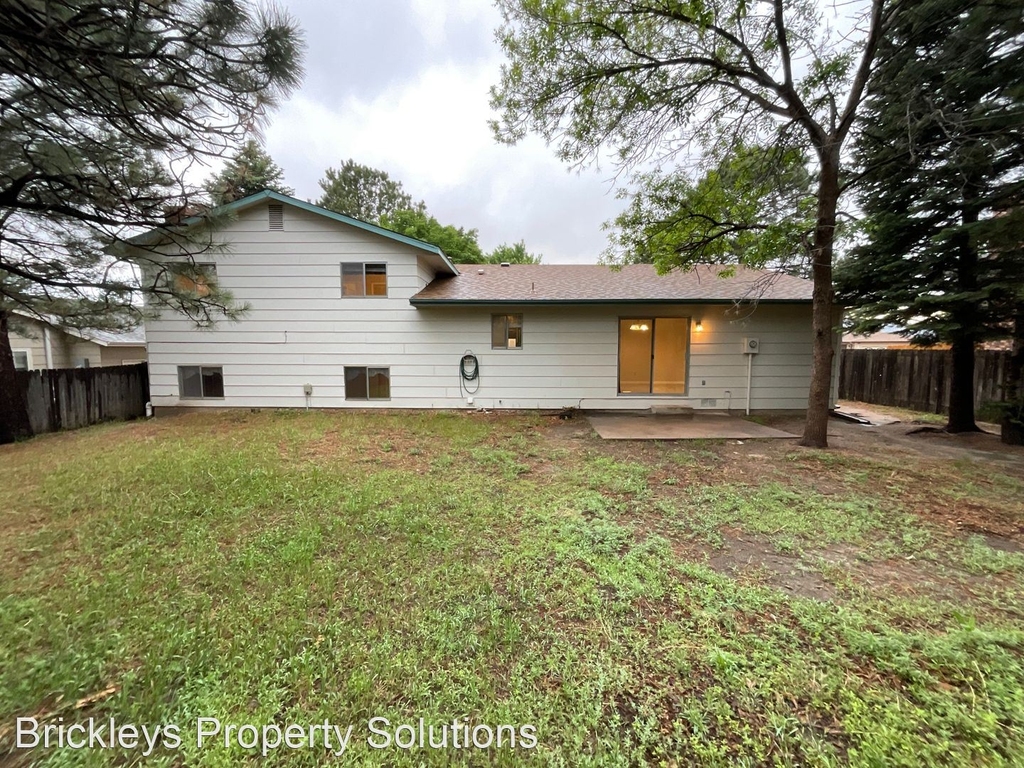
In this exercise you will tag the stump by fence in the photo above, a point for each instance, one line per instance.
(69, 398)
(918, 379)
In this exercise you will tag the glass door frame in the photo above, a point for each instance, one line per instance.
(618, 356)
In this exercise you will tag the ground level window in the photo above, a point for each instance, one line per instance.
(367, 383)
(506, 331)
(196, 382)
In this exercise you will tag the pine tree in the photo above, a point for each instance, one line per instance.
(104, 107)
(364, 193)
(942, 152)
(251, 170)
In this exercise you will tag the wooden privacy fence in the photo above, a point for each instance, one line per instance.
(918, 379)
(69, 398)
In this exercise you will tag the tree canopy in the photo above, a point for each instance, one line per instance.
(364, 193)
(943, 156)
(756, 206)
(249, 171)
(104, 107)
(460, 245)
(647, 79)
(515, 253)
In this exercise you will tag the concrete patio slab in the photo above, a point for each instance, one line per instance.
(700, 426)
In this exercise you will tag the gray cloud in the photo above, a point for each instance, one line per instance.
(402, 85)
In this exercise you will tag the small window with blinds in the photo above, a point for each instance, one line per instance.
(276, 216)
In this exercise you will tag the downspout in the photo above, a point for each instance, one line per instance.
(750, 365)
(48, 353)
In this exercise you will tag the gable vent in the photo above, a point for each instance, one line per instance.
(276, 211)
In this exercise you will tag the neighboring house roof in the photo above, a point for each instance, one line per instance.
(133, 338)
(593, 283)
(268, 195)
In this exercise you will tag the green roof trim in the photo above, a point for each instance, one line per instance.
(270, 195)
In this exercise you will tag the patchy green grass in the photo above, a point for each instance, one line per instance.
(291, 567)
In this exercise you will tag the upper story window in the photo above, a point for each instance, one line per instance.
(506, 331)
(197, 279)
(22, 360)
(364, 279)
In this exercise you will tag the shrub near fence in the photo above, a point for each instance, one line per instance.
(69, 398)
(918, 379)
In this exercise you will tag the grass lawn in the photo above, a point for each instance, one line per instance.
(697, 603)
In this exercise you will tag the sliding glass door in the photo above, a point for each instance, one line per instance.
(652, 355)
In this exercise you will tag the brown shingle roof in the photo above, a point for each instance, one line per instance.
(592, 283)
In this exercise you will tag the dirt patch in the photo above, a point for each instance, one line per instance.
(1002, 543)
(747, 557)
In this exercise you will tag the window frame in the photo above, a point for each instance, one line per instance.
(203, 288)
(362, 271)
(366, 369)
(28, 359)
(686, 358)
(505, 318)
(202, 383)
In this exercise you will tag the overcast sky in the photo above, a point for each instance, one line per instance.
(402, 85)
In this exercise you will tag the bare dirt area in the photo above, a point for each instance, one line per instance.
(955, 486)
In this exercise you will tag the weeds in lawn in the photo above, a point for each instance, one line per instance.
(300, 566)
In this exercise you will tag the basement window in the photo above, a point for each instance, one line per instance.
(200, 382)
(363, 383)
(364, 279)
(506, 331)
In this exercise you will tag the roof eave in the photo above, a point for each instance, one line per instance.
(245, 202)
(459, 302)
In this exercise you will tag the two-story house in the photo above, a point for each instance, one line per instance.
(346, 314)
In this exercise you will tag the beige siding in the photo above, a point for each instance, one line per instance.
(122, 355)
(66, 351)
(29, 338)
(300, 330)
(80, 350)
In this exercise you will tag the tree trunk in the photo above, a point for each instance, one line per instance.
(13, 408)
(1013, 419)
(961, 390)
(816, 427)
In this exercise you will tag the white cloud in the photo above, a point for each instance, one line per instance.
(432, 134)
(434, 17)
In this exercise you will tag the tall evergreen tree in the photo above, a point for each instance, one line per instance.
(943, 153)
(103, 103)
(364, 193)
(249, 171)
